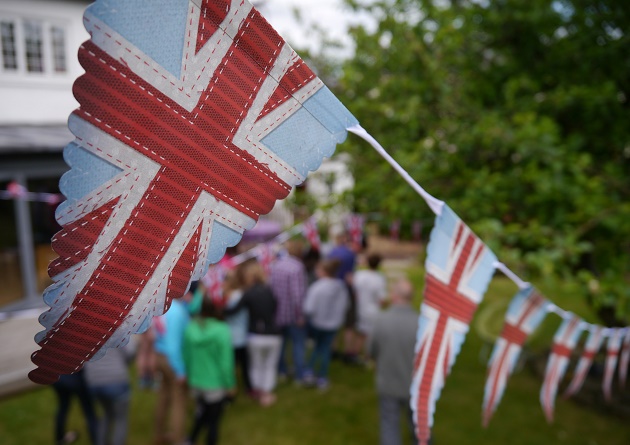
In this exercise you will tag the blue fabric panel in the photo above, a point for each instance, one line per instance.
(331, 113)
(87, 172)
(221, 238)
(302, 142)
(155, 26)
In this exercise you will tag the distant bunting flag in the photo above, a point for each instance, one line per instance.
(266, 255)
(624, 358)
(612, 356)
(525, 313)
(195, 117)
(591, 347)
(458, 269)
(213, 281)
(564, 343)
(355, 228)
(311, 233)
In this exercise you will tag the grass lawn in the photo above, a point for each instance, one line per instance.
(346, 414)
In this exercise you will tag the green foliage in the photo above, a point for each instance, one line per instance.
(516, 114)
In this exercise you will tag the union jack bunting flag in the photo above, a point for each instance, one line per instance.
(309, 229)
(265, 255)
(195, 117)
(612, 356)
(624, 358)
(459, 267)
(564, 343)
(355, 228)
(213, 281)
(591, 347)
(525, 313)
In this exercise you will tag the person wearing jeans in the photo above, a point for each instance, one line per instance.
(325, 306)
(288, 284)
(108, 381)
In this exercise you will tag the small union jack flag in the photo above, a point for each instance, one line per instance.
(525, 313)
(624, 359)
(612, 356)
(593, 343)
(459, 267)
(195, 117)
(309, 229)
(564, 343)
(213, 281)
(355, 228)
(266, 256)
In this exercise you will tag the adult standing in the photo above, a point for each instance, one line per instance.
(264, 340)
(325, 305)
(347, 262)
(370, 288)
(392, 346)
(67, 387)
(169, 336)
(288, 284)
(108, 381)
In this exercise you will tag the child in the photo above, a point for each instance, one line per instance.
(209, 361)
(325, 307)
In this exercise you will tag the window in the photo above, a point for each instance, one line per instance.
(9, 52)
(33, 36)
(33, 47)
(58, 49)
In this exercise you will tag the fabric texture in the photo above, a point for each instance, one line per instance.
(207, 123)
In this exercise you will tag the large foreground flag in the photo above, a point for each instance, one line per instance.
(612, 356)
(564, 343)
(525, 313)
(592, 345)
(459, 267)
(195, 117)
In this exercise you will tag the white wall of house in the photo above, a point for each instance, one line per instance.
(28, 95)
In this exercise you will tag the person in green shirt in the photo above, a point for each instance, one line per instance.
(209, 362)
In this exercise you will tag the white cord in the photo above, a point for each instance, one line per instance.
(434, 203)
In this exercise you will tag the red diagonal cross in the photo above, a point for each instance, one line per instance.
(195, 152)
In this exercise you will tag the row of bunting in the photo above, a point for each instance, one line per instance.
(459, 267)
(194, 119)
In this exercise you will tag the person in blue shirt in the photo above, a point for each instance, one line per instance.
(172, 396)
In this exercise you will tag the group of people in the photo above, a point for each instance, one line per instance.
(261, 321)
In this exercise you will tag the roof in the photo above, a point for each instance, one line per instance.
(33, 138)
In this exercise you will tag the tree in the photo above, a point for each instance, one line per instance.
(516, 114)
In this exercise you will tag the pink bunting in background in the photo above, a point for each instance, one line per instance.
(195, 117)
(564, 343)
(213, 281)
(525, 313)
(612, 356)
(591, 347)
(266, 256)
(355, 228)
(309, 229)
(458, 269)
(624, 359)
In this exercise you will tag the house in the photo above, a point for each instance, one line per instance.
(38, 65)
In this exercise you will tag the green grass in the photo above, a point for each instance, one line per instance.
(347, 413)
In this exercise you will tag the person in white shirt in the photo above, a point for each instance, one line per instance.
(370, 287)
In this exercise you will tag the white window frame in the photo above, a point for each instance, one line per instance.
(49, 72)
